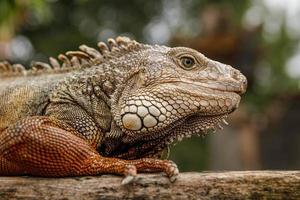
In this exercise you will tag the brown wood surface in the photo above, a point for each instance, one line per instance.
(192, 185)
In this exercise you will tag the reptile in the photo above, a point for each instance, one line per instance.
(110, 110)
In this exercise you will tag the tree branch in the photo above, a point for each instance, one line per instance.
(206, 185)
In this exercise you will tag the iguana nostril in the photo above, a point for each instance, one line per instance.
(245, 83)
(236, 74)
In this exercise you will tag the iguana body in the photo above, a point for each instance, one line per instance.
(110, 111)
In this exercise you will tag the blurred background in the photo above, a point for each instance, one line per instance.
(259, 37)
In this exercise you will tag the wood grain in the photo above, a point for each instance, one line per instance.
(192, 185)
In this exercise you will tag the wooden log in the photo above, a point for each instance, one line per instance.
(192, 185)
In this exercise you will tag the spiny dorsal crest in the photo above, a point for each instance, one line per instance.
(84, 57)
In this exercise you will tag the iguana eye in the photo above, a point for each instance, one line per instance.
(187, 62)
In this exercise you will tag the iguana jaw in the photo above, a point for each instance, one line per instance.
(166, 108)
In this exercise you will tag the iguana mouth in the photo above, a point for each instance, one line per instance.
(223, 86)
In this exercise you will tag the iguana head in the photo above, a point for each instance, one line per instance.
(169, 93)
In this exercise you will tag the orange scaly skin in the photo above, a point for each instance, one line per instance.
(112, 110)
(39, 146)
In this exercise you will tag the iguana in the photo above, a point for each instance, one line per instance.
(112, 110)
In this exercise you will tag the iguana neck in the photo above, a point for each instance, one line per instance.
(94, 90)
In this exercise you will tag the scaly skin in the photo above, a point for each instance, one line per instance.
(110, 111)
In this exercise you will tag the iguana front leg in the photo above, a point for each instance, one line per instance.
(41, 146)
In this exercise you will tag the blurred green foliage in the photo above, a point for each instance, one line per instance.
(14, 14)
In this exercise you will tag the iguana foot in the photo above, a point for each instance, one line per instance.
(156, 165)
(150, 165)
(41, 146)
